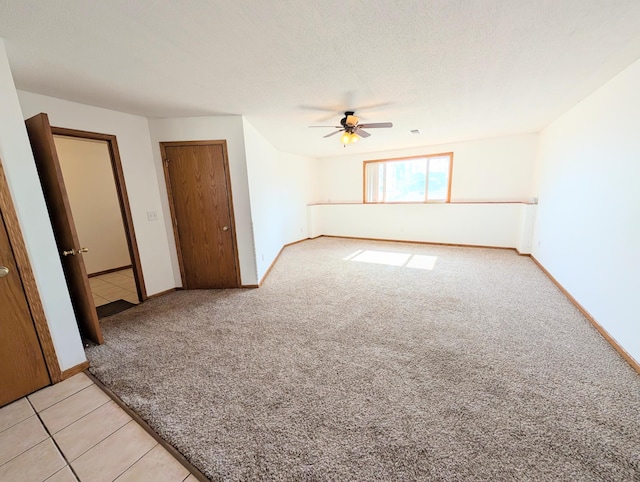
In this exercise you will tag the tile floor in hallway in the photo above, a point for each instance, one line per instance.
(119, 285)
(74, 431)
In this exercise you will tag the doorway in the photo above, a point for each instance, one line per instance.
(93, 198)
(199, 190)
(22, 366)
(27, 357)
(72, 252)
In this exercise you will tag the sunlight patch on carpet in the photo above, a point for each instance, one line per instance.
(417, 261)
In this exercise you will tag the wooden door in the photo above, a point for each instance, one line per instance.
(22, 366)
(123, 198)
(199, 188)
(69, 248)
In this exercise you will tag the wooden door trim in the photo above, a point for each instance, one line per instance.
(167, 179)
(28, 280)
(172, 210)
(123, 198)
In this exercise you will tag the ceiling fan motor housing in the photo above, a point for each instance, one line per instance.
(349, 120)
(350, 125)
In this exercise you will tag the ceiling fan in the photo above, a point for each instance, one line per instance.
(352, 130)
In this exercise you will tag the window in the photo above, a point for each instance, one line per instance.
(409, 180)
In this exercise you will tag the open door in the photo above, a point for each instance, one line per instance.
(46, 157)
(22, 365)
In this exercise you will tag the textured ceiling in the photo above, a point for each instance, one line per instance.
(455, 69)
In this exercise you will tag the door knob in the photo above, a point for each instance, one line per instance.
(225, 228)
(4, 271)
(71, 252)
(83, 250)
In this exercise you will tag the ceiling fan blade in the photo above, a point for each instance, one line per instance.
(371, 106)
(320, 108)
(376, 125)
(333, 133)
(362, 133)
(337, 127)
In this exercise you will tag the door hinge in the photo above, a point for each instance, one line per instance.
(166, 162)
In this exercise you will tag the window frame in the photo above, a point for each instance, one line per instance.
(400, 159)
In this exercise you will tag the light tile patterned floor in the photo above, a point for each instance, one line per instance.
(73, 431)
(119, 285)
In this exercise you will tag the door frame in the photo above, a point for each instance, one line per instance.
(167, 180)
(123, 198)
(16, 241)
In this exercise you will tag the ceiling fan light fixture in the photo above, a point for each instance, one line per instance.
(352, 130)
(349, 138)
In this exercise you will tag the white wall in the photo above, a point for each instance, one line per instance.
(141, 178)
(485, 172)
(587, 231)
(19, 166)
(470, 224)
(499, 169)
(211, 128)
(95, 207)
(280, 186)
(524, 241)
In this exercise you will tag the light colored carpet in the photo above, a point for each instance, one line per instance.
(340, 369)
